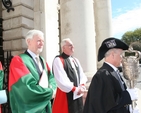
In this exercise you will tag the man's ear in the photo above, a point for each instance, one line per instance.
(28, 41)
(63, 47)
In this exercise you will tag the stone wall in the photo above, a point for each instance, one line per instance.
(43, 15)
(16, 24)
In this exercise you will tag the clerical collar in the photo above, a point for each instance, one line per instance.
(65, 55)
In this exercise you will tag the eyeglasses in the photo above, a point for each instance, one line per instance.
(69, 45)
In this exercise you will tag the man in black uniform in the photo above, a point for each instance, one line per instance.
(107, 92)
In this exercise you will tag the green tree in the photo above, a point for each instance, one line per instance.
(136, 46)
(133, 38)
(137, 34)
(127, 37)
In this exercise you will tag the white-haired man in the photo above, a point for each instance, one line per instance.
(70, 80)
(107, 92)
(31, 83)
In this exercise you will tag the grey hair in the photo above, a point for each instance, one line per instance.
(63, 42)
(110, 51)
(32, 33)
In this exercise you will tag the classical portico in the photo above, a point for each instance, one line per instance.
(86, 22)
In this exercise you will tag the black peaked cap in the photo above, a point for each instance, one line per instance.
(110, 43)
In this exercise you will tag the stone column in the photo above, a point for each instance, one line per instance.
(46, 20)
(103, 19)
(77, 23)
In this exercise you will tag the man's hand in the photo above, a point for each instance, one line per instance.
(81, 90)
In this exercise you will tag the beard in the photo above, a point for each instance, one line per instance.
(40, 50)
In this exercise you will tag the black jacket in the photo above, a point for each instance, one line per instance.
(105, 94)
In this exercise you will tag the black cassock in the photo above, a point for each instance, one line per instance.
(105, 94)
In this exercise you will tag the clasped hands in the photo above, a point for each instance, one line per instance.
(80, 89)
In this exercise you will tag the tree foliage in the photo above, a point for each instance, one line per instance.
(133, 38)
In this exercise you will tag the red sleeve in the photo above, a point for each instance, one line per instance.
(16, 71)
(48, 68)
(1, 66)
(73, 89)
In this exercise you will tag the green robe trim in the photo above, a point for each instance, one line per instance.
(26, 96)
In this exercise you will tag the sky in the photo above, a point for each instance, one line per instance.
(126, 16)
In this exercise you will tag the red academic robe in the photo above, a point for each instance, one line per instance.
(1, 81)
